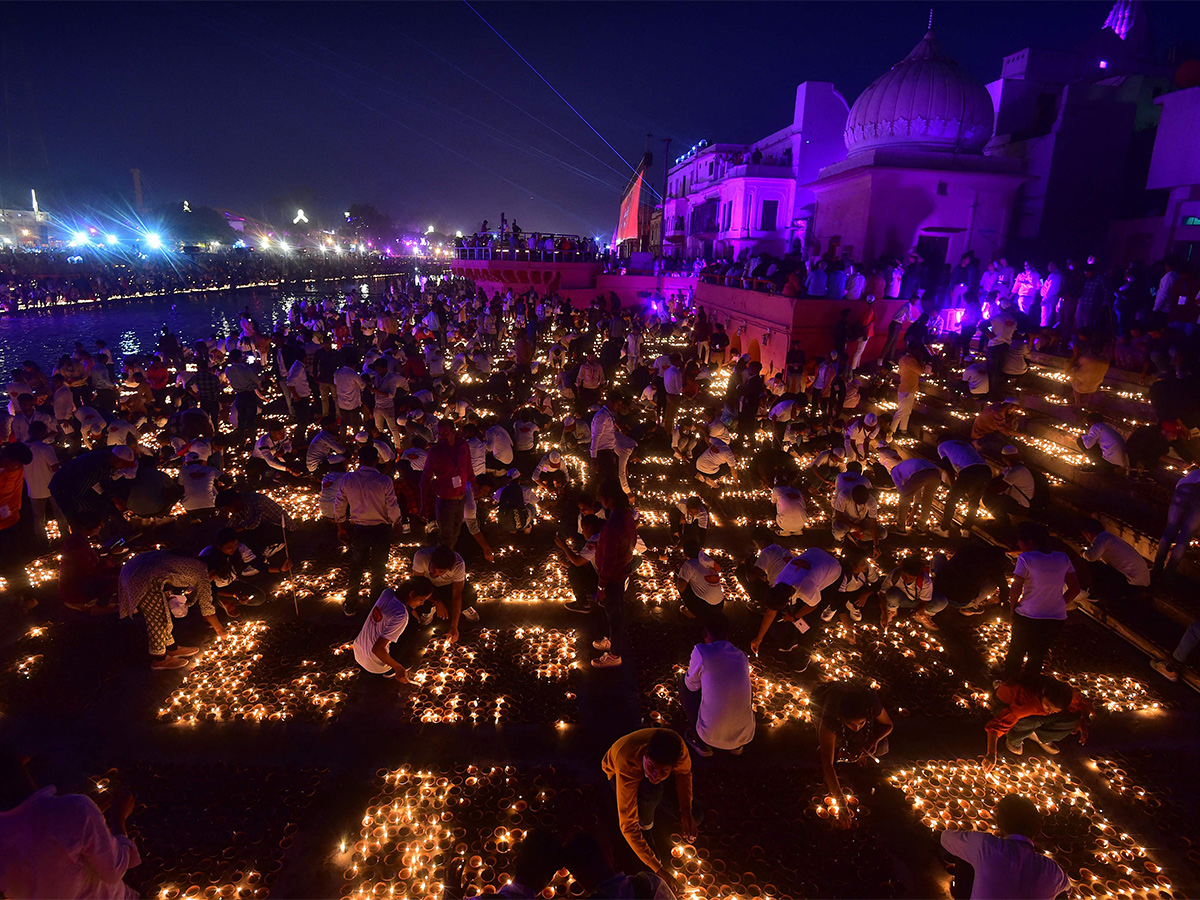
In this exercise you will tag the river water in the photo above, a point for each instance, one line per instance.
(133, 326)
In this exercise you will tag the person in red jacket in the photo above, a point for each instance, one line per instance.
(1039, 707)
(444, 482)
(614, 565)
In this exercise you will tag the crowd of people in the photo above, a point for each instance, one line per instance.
(65, 278)
(518, 417)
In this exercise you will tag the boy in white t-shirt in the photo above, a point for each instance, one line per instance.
(699, 583)
(385, 622)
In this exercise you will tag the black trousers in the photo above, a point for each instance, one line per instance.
(968, 485)
(606, 465)
(1031, 641)
(369, 548)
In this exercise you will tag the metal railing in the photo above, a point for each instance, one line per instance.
(527, 247)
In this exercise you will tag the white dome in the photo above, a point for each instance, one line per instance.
(925, 102)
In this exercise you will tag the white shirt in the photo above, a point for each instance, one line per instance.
(386, 386)
(53, 847)
(39, 472)
(366, 497)
(1020, 484)
(387, 619)
(903, 473)
(199, 485)
(1112, 551)
(500, 445)
(699, 519)
(420, 566)
(524, 435)
(673, 380)
(1112, 445)
(807, 583)
(320, 449)
(1004, 326)
(329, 491)
(704, 580)
(771, 560)
(268, 449)
(710, 461)
(844, 503)
(1045, 579)
(790, 512)
(297, 380)
(960, 455)
(603, 431)
(118, 432)
(721, 673)
(783, 411)
(349, 388)
(976, 377)
(1006, 867)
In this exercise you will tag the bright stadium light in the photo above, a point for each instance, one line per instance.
(80, 237)
(154, 242)
(112, 239)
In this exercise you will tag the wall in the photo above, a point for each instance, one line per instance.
(497, 275)
(773, 321)
(1176, 159)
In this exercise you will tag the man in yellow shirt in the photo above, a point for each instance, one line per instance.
(637, 766)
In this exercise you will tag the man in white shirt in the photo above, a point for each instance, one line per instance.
(975, 376)
(716, 694)
(1001, 326)
(1118, 571)
(366, 512)
(910, 586)
(715, 462)
(799, 590)
(1008, 866)
(452, 596)
(603, 448)
(1043, 583)
(699, 584)
(385, 623)
(274, 451)
(38, 473)
(1103, 444)
(349, 385)
(61, 846)
(1164, 297)
(383, 387)
(860, 435)
(326, 446)
(791, 515)
(917, 480)
(757, 574)
(1012, 491)
(1051, 288)
(199, 481)
(856, 516)
(499, 450)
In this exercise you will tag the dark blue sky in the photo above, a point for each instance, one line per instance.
(422, 110)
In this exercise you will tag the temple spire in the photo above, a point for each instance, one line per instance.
(930, 19)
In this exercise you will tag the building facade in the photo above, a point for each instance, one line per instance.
(915, 176)
(724, 199)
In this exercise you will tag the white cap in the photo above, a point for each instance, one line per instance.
(191, 457)
(870, 419)
(839, 451)
(555, 458)
(362, 437)
(124, 453)
(1010, 450)
(514, 474)
(568, 420)
(705, 560)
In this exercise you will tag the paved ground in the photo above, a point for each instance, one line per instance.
(274, 768)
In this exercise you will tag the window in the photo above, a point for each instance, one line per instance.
(770, 211)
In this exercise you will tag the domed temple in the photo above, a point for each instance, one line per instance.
(915, 175)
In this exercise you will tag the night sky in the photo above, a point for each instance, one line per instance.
(423, 111)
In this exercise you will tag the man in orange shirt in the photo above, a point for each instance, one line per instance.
(1042, 708)
(637, 767)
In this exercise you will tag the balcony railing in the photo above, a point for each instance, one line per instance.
(527, 247)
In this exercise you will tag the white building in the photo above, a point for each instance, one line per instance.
(915, 177)
(723, 199)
